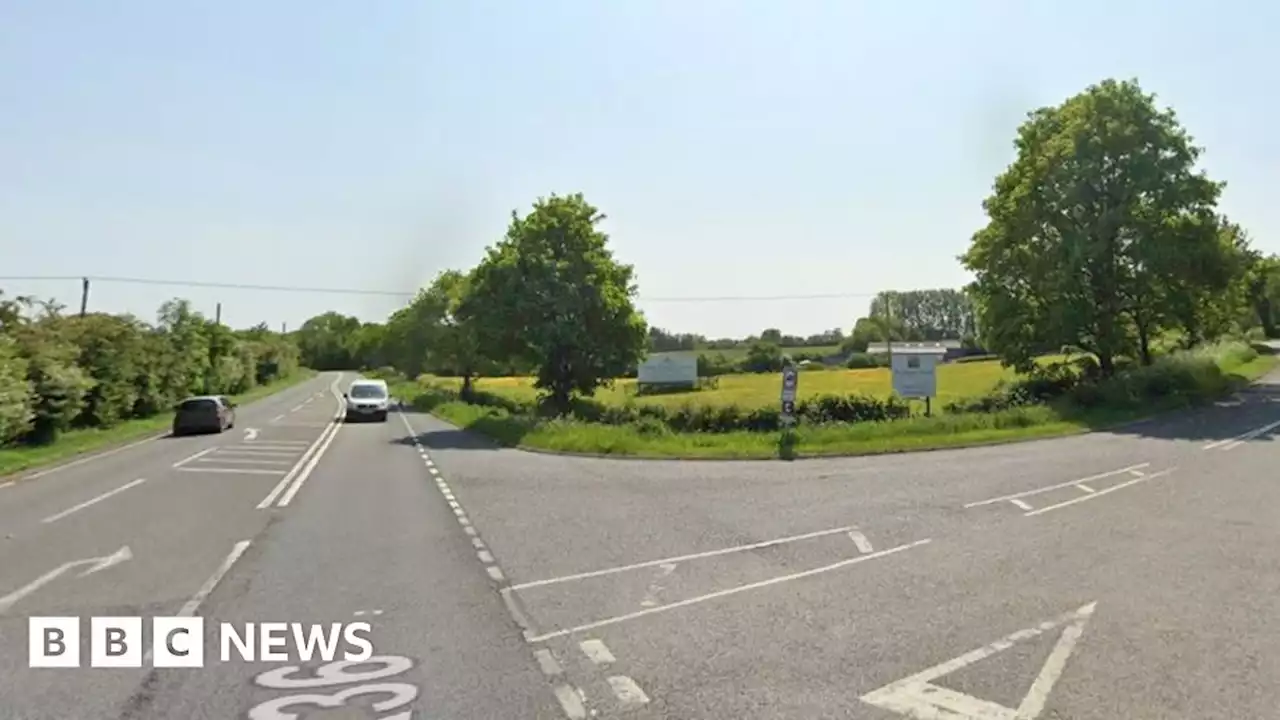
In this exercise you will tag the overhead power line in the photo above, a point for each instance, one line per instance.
(392, 293)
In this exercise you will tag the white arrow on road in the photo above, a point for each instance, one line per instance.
(95, 564)
(250, 434)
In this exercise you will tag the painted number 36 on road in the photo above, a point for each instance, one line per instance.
(363, 686)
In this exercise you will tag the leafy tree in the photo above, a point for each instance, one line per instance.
(942, 314)
(15, 392)
(454, 342)
(111, 352)
(326, 342)
(551, 295)
(1100, 234)
(1262, 288)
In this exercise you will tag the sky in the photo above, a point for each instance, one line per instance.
(740, 148)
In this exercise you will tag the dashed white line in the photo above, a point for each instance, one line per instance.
(94, 501)
(547, 662)
(477, 543)
(194, 456)
(597, 652)
(570, 702)
(469, 530)
(495, 572)
(725, 593)
(1100, 493)
(860, 541)
(277, 418)
(433, 471)
(627, 691)
(1086, 488)
(485, 556)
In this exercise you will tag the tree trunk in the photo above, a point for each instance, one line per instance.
(467, 390)
(1144, 342)
(1106, 363)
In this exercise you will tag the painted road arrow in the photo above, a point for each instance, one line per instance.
(95, 564)
(917, 696)
(250, 434)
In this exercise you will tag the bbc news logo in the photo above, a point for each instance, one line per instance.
(178, 642)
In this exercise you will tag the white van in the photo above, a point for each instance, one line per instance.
(367, 400)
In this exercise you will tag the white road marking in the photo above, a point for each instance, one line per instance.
(1136, 473)
(597, 652)
(1099, 493)
(570, 702)
(331, 428)
(91, 458)
(94, 501)
(1047, 488)
(548, 663)
(682, 558)
(462, 520)
(1085, 488)
(627, 691)
(250, 434)
(263, 452)
(470, 530)
(194, 456)
(277, 418)
(276, 445)
(1239, 439)
(96, 564)
(311, 466)
(4, 485)
(1021, 504)
(232, 471)
(477, 543)
(860, 541)
(193, 605)
(245, 461)
(485, 556)
(296, 408)
(433, 471)
(495, 572)
(917, 697)
(724, 593)
(651, 593)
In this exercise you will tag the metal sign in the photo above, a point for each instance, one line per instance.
(790, 379)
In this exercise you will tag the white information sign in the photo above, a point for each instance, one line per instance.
(915, 374)
(669, 370)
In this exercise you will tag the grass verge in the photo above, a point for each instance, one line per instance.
(79, 442)
(863, 438)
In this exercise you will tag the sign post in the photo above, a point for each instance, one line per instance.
(790, 379)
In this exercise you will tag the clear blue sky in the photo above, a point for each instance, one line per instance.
(739, 148)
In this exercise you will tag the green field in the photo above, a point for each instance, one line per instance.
(943, 430)
(76, 442)
(955, 381)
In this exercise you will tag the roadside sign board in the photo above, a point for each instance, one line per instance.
(790, 379)
(915, 374)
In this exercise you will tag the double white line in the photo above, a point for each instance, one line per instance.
(282, 494)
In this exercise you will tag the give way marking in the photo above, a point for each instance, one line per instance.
(917, 696)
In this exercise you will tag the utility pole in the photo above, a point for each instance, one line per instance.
(284, 328)
(84, 296)
(217, 314)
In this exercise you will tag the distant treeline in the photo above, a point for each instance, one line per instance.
(59, 371)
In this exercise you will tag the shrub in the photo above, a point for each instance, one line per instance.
(858, 361)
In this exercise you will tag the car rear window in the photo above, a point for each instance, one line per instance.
(367, 391)
(197, 405)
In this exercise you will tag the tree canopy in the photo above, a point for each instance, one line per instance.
(1101, 234)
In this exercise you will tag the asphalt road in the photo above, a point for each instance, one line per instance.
(1127, 574)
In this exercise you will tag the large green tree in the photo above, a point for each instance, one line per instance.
(1101, 234)
(551, 295)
